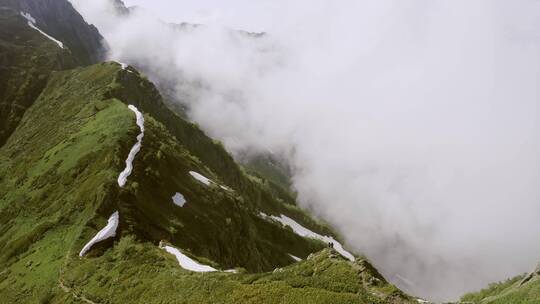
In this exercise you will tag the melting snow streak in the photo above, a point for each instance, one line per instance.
(122, 178)
(110, 229)
(201, 178)
(188, 263)
(105, 233)
(32, 24)
(295, 257)
(303, 231)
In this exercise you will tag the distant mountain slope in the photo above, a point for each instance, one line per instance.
(520, 289)
(29, 53)
(26, 60)
(269, 167)
(59, 19)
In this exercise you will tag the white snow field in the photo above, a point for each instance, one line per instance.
(295, 257)
(179, 200)
(303, 231)
(122, 178)
(188, 263)
(108, 231)
(32, 24)
(201, 178)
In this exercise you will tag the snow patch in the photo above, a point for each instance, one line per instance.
(231, 271)
(186, 262)
(105, 233)
(122, 178)
(179, 200)
(32, 24)
(295, 257)
(303, 231)
(28, 17)
(201, 178)
(205, 180)
(124, 67)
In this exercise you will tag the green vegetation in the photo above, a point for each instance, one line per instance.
(59, 19)
(492, 290)
(59, 171)
(59, 168)
(26, 61)
(324, 278)
(267, 167)
(518, 290)
(65, 133)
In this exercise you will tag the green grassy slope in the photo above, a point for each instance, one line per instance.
(58, 175)
(64, 139)
(54, 185)
(523, 289)
(266, 166)
(324, 278)
(133, 88)
(26, 60)
(59, 19)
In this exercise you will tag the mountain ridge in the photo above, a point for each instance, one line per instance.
(71, 126)
(89, 131)
(25, 70)
(59, 193)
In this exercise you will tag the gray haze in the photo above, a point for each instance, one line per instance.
(412, 126)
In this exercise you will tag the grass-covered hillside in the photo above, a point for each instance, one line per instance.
(36, 38)
(108, 196)
(60, 20)
(523, 289)
(26, 60)
(58, 179)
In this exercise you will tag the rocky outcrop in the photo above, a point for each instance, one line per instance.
(531, 276)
